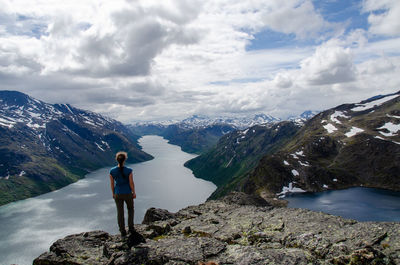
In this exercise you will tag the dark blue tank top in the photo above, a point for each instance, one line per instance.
(121, 182)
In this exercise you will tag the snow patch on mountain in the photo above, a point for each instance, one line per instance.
(98, 146)
(391, 127)
(18, 108)
(374, 103)
(295, 172)
(330, 128)
(393, 116)
(6, 122)
(245, 131)
(338, 114)
(289, 189)
(353, 131)
(294, 156)
(305, 164)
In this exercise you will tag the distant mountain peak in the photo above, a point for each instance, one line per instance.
(303, 117)
(237, 122)
(202, 121)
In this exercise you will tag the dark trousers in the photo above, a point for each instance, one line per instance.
(119, 201)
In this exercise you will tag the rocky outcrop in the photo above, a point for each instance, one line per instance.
(225, 232)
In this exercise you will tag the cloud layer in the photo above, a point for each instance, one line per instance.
(148, 59)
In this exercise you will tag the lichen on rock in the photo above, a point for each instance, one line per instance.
(226, 232)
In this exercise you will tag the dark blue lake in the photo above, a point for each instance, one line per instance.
(362, 204)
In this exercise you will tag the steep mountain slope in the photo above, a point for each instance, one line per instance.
(198, 134)
(238, 152)
(350, 145)
(142, 129)
(191, 140)
(44, 147)
(196, 140)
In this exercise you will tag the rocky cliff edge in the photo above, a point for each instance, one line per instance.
(238, 229)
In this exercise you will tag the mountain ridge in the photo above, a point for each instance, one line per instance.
(199, 134)
(322, 155)
(47, 146)
(349, 145)
(238, 152)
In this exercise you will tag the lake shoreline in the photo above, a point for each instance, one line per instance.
(33, 224)
(372, 204)
(238, 230)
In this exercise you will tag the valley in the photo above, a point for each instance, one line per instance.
(346, 146)
(46, 147)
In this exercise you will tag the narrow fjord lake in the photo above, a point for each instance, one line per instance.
(29, 227)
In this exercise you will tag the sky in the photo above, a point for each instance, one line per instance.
(137, 60)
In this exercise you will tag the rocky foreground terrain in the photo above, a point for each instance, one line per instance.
(238, 229)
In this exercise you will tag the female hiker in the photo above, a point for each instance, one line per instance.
(123, 190)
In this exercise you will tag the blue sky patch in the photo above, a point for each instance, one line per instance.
(347, 13)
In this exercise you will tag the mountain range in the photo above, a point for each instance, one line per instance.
(240, 123)
(198, 134)
(350, 145)
(47, 146)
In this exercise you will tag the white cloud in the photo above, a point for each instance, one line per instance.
(150, 59)
(384, 16)
(295, 17)
(283, 80)
(330, 64)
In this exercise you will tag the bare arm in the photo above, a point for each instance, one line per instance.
(112, 185)
(132, 185)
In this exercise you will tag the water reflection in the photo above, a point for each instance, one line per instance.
(362, 204)
(30, 226)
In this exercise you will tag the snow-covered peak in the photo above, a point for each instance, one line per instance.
(237, 122)
(197, 121)
(19, 108)
(305, 116)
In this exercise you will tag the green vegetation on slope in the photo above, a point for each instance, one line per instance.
(191, 140)
(325, 154)
(238, 152)
(49, 146)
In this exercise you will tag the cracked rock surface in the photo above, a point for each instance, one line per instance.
(226, 232)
